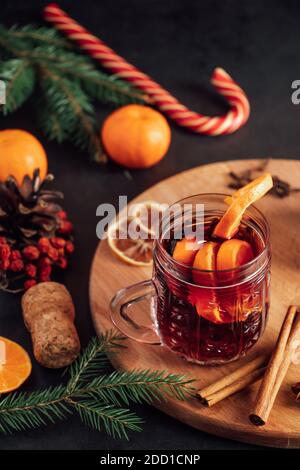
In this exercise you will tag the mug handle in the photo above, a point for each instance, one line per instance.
(137, 326)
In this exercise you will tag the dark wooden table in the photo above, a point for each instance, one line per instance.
(178, 43)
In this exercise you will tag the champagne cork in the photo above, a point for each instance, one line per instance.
(48, 313)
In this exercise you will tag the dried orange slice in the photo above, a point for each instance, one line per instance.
(148, 215)
(15, 365)
(228, 225)
(185, 250)
(130, 242)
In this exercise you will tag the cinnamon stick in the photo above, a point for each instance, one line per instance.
(277, 367)
(234, 382)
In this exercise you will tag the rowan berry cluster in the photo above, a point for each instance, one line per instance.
(35, 262)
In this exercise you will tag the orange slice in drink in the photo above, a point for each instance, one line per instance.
(204, 298)
(185, 250)
(15, 365)
(228, 225)
(233, 254)
(205, 260)
(130, 243)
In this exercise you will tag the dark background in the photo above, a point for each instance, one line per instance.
(178, 43)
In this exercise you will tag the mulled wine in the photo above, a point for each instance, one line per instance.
(219, 320)
(209, 303)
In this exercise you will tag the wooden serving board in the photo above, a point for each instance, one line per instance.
(230, 417)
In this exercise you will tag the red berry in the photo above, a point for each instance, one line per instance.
(44, 245)
(70, 247)
(58, 242)
(53, 253)
(31, 252)
(45, 271)
(61, 252)
(62, 215)
(15, 254)
(44, 262)
(4, 264)
(29, 283)
(17, 265)
(66, 227)
(3, 241)
(4, 251)
(30, 270)
(62, 263)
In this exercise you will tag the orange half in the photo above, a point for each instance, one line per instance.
(205, 299)
(185, 250)
(228, 225)
(205, 260)
(15, 365)
(233, 254)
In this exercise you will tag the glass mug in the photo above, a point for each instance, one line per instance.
(212, 322)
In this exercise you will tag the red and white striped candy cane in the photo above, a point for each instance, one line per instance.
(235, 118)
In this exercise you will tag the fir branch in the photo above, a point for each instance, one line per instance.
(138, 386)
(94, 358)
(109, 89)
(40, 35)
(69, 84)
(14, 46)
(21, 411)
(19, 77)
(98, 401)
(73, 110)
(99, 85)
(11, 40)
(116, 421)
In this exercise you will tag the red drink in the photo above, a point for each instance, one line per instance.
(231, 315)
(206, 316)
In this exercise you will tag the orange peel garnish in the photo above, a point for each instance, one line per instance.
(229, 223)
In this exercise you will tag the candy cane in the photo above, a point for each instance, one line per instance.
(235, 118)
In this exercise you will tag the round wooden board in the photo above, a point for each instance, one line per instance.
(230, 417)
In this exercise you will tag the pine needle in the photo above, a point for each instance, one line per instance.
(98, 399)
(94, 359)
(71, 107)
(40, 35)
(116, 421)
(21, 411)
(19, 77)
(138, 386)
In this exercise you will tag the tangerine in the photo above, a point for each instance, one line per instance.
(136, 136)
(15, 365)
(20, 154)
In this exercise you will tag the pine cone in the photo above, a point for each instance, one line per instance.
(29, 211)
